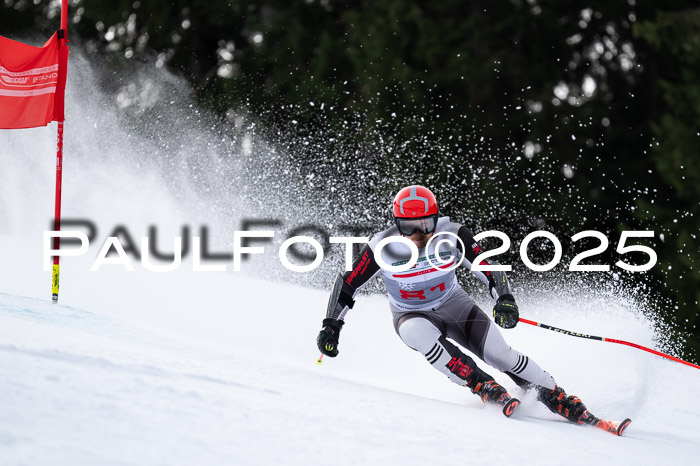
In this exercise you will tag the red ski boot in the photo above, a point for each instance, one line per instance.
(558, 402)
(491, 392)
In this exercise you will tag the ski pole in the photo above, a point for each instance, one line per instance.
(319, 361)
(611, 340)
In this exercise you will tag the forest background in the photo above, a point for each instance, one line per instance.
(521, 114)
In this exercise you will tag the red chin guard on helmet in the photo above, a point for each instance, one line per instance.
(415, 209)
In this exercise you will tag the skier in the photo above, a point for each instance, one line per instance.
(429, 306)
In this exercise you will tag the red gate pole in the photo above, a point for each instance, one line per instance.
(59, 161)
(57, 212)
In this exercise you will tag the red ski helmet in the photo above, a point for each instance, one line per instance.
(415, 208)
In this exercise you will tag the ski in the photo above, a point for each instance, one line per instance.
(613, 427)
(508, 403)
(509, 406)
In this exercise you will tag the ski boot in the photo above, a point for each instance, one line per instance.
(570, 407)
(491, 392)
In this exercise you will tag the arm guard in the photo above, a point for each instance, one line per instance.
(499, 286)
(339, 301)
(363, 270)
(495, 279)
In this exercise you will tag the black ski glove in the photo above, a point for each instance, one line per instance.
(327, 339)
(505, 313)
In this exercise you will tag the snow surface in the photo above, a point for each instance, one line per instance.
(220, 369)
(217, 368)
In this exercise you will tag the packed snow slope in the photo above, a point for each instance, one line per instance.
(186, 368)
(218, 368)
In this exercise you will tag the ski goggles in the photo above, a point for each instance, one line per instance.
(407, 226)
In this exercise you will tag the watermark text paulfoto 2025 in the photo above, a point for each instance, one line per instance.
(114, 252)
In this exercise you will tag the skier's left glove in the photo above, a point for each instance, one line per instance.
(327, 339)
(505, 313)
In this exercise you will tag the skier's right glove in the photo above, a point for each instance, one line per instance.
(327, 339)
(505, 313)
